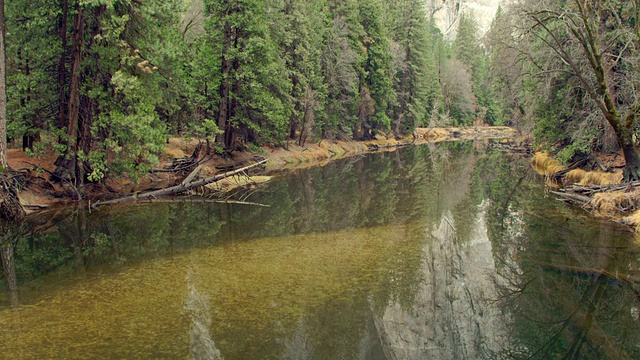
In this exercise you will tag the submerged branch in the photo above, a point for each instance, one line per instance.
(177, 189)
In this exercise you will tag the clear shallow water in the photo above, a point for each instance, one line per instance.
(428, 252)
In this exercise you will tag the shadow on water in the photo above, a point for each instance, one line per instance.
(444, 251)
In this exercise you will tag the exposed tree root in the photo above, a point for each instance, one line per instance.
(10, 207)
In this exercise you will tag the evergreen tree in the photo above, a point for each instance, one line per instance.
(376, 92)
(466, 46)
(4, 164)
(341, 57)
(253, 81)
(301, 45)
(413, 66)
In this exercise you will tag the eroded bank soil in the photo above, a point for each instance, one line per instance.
(41, 191)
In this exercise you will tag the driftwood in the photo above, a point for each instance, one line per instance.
(186, 185)
(571, 196)
(598, 162)
(187, 163)
(582, 195)
(205, 200)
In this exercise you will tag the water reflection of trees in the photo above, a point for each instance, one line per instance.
(11, 234)
(568, 288)
(569, 284)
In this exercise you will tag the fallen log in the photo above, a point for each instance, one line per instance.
(177, 189)
(189, 200)
(590, 190)
(581, 199)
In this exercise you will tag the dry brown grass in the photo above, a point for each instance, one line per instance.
(543, 164)
(599, 178)
(612, 202)
(575, 176)
(174, 153)
(634, 220)
(435, 133)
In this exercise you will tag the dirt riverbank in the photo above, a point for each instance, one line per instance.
(42, 192)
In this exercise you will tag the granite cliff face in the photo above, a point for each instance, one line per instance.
(447, 12)
(453, 315)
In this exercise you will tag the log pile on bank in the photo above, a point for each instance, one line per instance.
(600, 192)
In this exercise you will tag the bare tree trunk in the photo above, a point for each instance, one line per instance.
(631, 158)
(74, 90)
(610, 139)
(10, 207)
(4, 164)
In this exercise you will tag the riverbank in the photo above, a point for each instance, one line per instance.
(600, 192)
(42, 192)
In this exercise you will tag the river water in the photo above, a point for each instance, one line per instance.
(447, 251)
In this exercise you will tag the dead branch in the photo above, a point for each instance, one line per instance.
(177, 189)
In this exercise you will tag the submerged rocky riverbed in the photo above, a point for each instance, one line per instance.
(441, 250)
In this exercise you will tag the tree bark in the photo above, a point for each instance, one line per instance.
(632, 161)
(74, 90)
(67, 165)
(225, 70)
(62, 66)
(4, 164)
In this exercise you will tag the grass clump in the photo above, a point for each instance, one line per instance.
(544, 164)
(615, 201)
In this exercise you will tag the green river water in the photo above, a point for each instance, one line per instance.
(447, 251)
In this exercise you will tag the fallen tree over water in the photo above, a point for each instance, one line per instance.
(187, 184)
(183, 156)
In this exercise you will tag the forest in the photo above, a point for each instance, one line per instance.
(104, 83)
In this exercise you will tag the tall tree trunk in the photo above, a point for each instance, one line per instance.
(225, 70)
(10, 207)
(68, 164)
(402, 101)
(62, 67)
(74, 90)
(4, 164)
(223, 110)
(631, 158)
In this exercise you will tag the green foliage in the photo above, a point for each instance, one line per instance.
(377, 67)
(414, 67)
(240, 72)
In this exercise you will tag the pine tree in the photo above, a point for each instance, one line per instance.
(410, 34)
(375, 84)
(341, 57)
(301, 45)
(253, 80)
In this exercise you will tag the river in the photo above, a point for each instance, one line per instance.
(448, 251)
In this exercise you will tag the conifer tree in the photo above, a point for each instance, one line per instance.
(253, 80)
(376, 92)
(410, 32)
(341, 57)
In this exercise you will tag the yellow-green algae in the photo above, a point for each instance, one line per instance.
(258, 290)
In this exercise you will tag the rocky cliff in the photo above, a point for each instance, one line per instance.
(454, 315)
(447, 12)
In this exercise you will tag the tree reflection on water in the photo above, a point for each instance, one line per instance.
(570, 284)
(435, 251)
